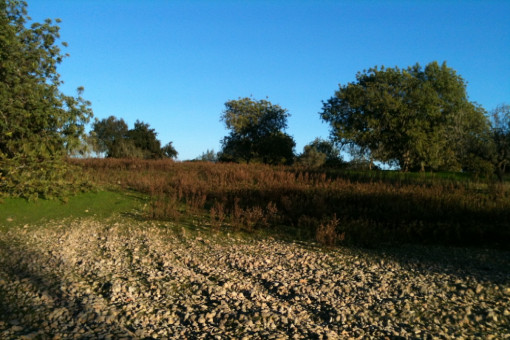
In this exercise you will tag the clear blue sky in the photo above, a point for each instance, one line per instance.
(173, 64)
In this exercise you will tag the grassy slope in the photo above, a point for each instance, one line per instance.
(101, 204)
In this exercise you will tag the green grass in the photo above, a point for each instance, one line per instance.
(100, 204)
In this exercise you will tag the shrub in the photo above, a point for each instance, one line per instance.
(327, 234)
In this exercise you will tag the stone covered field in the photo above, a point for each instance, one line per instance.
(119, 278)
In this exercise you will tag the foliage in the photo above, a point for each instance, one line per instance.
(39, 125)
(111, 135)
(144, 138)
(311, 157)
(366, 208)
(419, 118)
(88, 147)
(320, 152)
(169, 150)
(327, 234)
(500, 129)
(115, 139)
(256, 133)
(208, 156)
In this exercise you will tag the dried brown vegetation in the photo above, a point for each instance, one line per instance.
(366, 209)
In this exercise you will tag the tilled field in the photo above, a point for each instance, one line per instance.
(124, 279)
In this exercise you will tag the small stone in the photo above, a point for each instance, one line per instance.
(16, 329)
(331, 335)
(30, 336)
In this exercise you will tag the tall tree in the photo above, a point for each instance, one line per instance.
(418, 118)
(39, 125)
(327, 148)
(256, 132)
(117, 141)
(145, 139)
(111, 135)
(311, 157)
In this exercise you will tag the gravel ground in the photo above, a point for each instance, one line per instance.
(125, 279)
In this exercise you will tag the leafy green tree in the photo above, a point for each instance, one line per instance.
(39, 125)
(311, 157)
(86, 148)
(256, 132)
(418, 118)
(144, 138)
(318, 147)
(500, 130)
(276, 148)
(112, 137)
(169, 151)
(117, 141)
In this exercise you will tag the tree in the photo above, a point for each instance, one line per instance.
(311, 157)
(416, 118)
(169, 151)
(500, 129)
(115, 139)
(112, 136)
(87, 148)
(39, 125)
(144, 138)
(321, 152)
(256, 132)
(276, 148)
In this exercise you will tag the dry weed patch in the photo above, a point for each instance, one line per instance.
(372, 209)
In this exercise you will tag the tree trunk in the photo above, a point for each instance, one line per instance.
(406, 160)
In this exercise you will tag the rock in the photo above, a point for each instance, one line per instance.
(257, 288)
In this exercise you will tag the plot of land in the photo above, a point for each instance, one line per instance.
(120, 278)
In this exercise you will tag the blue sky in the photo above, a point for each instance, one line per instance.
(173, 64)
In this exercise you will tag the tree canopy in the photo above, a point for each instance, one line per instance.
(500, 130)
(418, 118)
(144, 138)
(117, 141)
(256, 132)
(320, 153)
(111, 135)
(39, 125)
(169, 150)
